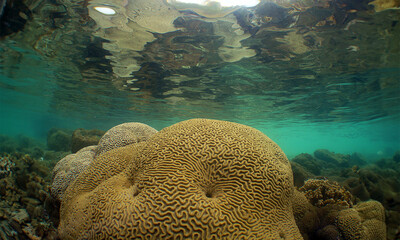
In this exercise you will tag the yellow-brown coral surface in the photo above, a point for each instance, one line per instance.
(198, 179)
(365, 221)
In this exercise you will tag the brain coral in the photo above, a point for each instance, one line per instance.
(68, 169)
(365, 221)
(197, 179)
(124, 134)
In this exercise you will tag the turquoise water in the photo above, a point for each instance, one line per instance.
(336, 112)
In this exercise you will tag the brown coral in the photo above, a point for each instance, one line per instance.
(68, 169)
(365, 221)
(198, 179)
(322, 192)
(305, 214)
(124, 134)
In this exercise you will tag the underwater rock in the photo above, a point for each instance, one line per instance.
(356, 159)
(7, 144)
(52, 157)
(195, 179)
(356, 188)
(381, 187)
(308, 162)
(82, 138)
(327, 156)
(328, 232)
(59, 140)
(392, 222)
(300, 174)
(339, 160)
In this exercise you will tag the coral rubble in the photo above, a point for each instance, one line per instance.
(23, 193)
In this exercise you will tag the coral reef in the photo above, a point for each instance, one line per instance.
(22, 144)
(337, 159)
(322, 192)
(378, 180)
(206, 165)
(365, 221)
(6, 166)
(68, 169)
(305, 214)
(195, 179)
(324, 163)
(82, 138)
(59, 140)
(124, 134)
(308, 162)
(23, 193)
(300, 174)
(337, 220)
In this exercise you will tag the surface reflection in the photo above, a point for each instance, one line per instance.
(314, 59)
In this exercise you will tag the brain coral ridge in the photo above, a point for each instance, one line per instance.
(124, 134)
(67, 170)
(197, 179)
(365, 221)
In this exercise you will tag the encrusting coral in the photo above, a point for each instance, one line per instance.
(197, 179)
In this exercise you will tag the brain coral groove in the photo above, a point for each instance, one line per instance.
(197, 179)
